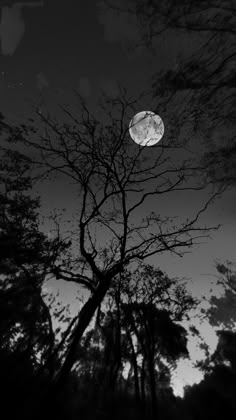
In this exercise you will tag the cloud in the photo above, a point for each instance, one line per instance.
(118, 25)
(109, 87)
(42, 81)
(12, 26)
(84, 87)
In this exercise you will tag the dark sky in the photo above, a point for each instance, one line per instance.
(55, 47)
(50, 48)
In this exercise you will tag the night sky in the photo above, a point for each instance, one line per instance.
(51, 49)
(48, 49)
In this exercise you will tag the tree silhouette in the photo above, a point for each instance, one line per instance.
(141, 332)
(214, 396)
(151, 303)
(27, 336)
(115, 179)
(223, 308)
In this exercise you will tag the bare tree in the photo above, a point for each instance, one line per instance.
(115, 179)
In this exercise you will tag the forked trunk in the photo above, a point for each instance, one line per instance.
(84, 319)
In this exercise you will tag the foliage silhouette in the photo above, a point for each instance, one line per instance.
(27, 255)
(214, 396)
(223, 308)
(138, 329)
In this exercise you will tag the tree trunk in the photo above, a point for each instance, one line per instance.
(152, 382)
(116, 357)
(135, 367)
(85, 316)
(143, 383)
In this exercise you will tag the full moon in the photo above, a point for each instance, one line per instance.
(146, 128)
